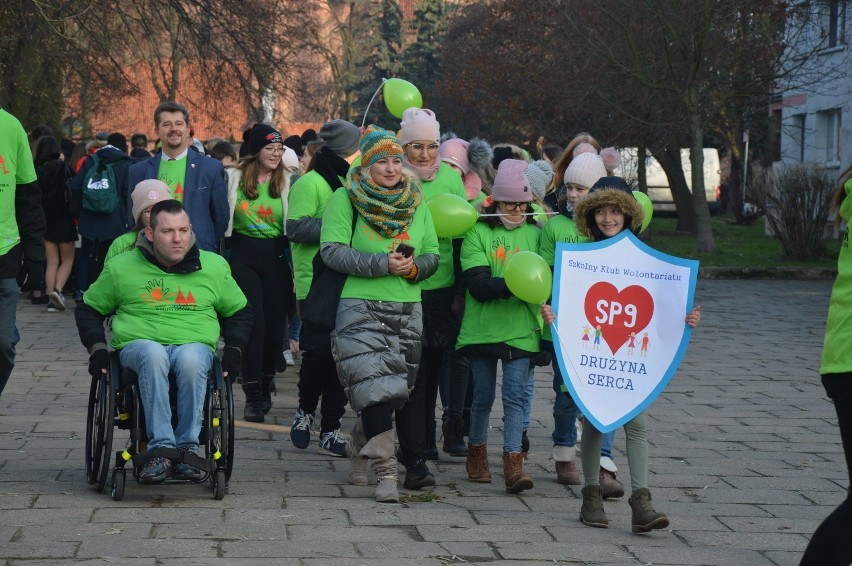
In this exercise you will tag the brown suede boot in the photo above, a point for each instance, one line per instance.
(517, 480)
(477, 464)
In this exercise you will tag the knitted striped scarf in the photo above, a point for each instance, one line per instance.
(388, 211)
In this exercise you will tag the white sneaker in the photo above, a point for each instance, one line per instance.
(57, 300)
(288, 356)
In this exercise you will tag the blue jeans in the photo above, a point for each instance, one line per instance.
(516, 377)
(9, 336)
(294, 329)
(528, 403)
(565, 413)
(152, 362)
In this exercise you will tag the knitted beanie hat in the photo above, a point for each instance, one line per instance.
(341, 137)
(455, 152)
(378, 144)
(261, 136)
(419, 124)
(539, 174)
(148, 193)
(511, 185)
(585, 170)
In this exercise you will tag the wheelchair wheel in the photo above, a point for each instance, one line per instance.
(219, 485)
(229, 428)
(99, 428)
(119, 479)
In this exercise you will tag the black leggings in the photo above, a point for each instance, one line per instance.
(264, 277)
(830, 544)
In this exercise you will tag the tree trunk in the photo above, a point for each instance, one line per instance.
(669, 160)
(641, 170)
(704, 231)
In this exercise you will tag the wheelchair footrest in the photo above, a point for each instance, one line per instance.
(176, 456)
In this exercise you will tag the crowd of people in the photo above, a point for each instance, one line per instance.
(420, 321)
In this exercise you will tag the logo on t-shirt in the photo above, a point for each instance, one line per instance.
(160, 297)
(500, 252)
(3, 165)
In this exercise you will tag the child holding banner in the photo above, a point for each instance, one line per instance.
(604, 213)
(585, 170)
(498, 326)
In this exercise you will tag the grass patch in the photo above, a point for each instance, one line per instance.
(423, 497)
(736, 245)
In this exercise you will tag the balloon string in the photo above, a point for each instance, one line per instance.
(565, 355)
(524, 214)
(364, 121)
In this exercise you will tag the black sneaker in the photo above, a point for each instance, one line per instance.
(418, 476)
(156, 470)
(184, 471)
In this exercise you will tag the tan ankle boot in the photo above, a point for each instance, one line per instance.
(386, 476)
(477, 464)
(517, 479)
(358, 465)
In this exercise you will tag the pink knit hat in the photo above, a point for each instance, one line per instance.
(418, 124)
(148, 193)
(455, 151)
(511, 185)
(585, 169)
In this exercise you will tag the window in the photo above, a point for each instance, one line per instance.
(833, 19)
(795, 132)
(828, 136)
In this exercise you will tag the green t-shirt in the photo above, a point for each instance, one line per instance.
(122, 244)
(504, 321)
(168, 308)
(445, 181)
(262, 217)
(557, 229)
(173, 173)
(337, 227)
(16, 168)
(540, 216)
(478, 199)
(836, 353)
(307, 199)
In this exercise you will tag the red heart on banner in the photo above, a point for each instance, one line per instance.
(618, 313)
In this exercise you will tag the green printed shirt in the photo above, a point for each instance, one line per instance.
(16, 168)
(122, 244)
(836, 353)
(337, 227)
(504, 321)
(445, 181)
(307, 199)
(168, 308)
(557, 229)
(262, 217)
(173, 173)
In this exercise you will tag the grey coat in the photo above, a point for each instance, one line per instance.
(376, 346)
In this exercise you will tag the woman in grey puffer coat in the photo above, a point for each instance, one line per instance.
(376, 340)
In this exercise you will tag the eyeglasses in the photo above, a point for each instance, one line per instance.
(515, 205)
(419, 147)
(273, 150)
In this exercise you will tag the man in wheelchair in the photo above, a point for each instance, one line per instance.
(170, 301)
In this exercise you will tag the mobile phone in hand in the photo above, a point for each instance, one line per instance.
(405, 250)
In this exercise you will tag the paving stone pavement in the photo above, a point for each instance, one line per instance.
(745, 460)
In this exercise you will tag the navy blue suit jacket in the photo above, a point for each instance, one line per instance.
(205, 195)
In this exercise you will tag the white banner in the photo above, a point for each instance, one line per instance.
(619, 333)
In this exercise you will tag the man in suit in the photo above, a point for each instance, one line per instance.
(193, 179)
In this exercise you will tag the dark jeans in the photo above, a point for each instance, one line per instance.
(318, 379)
(461, 386)
(93, 253)
(265, 279)
(418, 413)
(9, 336)
(830, 544)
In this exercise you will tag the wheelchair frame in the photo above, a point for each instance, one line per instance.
(114, 402)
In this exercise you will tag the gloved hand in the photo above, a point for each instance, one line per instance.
(232, 361)
(99, 362)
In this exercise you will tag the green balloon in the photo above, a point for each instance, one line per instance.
(451, 215)
(647, 208)
(401, 95)
(528, 277)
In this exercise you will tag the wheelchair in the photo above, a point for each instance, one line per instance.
(114, 403)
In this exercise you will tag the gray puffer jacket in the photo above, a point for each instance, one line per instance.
(376, 345)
